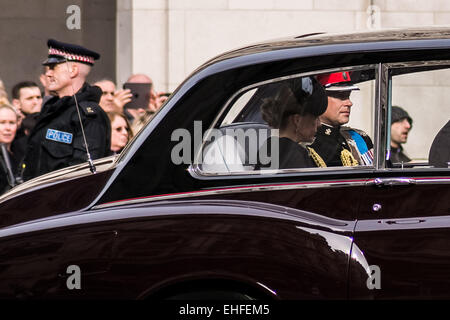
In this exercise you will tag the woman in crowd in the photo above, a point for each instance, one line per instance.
(295, 112)
(9, 162)
(121, 131)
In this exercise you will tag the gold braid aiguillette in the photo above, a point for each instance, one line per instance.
(317, 158)
(347, 158)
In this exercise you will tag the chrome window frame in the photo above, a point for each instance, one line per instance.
(386, 107)
(196, 172)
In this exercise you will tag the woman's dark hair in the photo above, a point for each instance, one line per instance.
(295, 96)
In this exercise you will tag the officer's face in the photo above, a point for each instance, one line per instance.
(399, 132)
(30, 100)
(338, 110)
(8, 125)
(58, 77)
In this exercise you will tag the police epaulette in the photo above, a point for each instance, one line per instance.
(88, 108)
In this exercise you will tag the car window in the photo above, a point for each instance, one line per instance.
(315, 121)
(419, 109)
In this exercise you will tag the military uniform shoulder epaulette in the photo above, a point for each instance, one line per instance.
(360, 132)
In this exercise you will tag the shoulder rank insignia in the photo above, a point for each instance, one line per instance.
(59, 136)
(88, 108)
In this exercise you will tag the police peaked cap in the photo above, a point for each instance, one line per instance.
(59, 52)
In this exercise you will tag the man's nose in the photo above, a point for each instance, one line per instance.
(348, 102)
(406, 124)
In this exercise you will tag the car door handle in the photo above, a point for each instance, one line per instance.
(383, 182)
(405, 221)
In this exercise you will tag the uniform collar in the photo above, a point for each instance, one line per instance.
(327, 130)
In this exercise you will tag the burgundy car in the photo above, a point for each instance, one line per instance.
(185, 211)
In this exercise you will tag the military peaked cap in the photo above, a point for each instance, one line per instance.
(338, 81)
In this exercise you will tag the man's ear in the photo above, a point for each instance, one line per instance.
(74, 70)
(16, 103)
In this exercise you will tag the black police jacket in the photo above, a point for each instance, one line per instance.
(56, 141)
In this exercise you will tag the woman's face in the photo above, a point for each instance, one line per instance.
(119, 134)
(8, 125)
(306, 127)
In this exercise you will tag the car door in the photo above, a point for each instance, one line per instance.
(297, 238)
(55, 257)
(227, 172)
(403, 225)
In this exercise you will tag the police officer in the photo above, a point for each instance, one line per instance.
(57, 139)
(336, 144)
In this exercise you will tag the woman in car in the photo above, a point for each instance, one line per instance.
(295, 113)
(9, 162)
(121, 131)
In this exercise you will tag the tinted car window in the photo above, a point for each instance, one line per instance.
(247, 139)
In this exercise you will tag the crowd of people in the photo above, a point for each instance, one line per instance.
(40, 130)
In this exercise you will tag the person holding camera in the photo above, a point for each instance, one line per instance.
(112, 100)
(156, 100)
(145, 101)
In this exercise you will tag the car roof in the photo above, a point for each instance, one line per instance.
(382, 37)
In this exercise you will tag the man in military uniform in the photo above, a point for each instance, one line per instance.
(401, 124)
(336, 144)
(57, 139)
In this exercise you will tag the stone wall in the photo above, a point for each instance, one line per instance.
(26, 25)
(168, 39)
